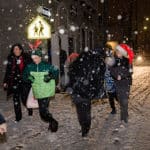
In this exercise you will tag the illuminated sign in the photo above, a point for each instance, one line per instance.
(39, 29)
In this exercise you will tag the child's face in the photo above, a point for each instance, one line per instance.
(36, 59)
(118, 54)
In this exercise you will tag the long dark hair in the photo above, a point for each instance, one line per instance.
(18, 45)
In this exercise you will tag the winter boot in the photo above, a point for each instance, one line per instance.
(53, 125)
(85, 131)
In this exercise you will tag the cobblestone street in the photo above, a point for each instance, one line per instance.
(31, 133)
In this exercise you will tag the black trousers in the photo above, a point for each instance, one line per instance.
(18, 98)
(123, 96)
(45, 115)
(83, 108)
(112, 98)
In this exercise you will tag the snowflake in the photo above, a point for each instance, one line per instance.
(93, 71)
(81, 59)
(11, 10)
(10, 46)
(5, 62)
(135, 32)
(15, 87)
(86, 49)
(50, 1)
(9, 28)
(20, 6)
(20, 25)
(43, 52)
(119, 17)
(16, 103)
(46, 56)
(102, 1)
(57, 53)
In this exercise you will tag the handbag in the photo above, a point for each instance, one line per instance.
(31, 101)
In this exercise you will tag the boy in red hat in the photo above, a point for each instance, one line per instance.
(122, 74)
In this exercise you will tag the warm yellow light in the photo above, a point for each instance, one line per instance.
(139, 58)
(145, 27)
(147, 19)
(39, 29)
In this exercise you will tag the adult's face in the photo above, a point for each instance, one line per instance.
(36, 59)
(17, 51)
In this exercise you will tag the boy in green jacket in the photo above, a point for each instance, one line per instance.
(42, 76)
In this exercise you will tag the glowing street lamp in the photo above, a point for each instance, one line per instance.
(147, 19)
(145, 27)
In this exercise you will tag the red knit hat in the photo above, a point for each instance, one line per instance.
(72, 56)
(126, 51)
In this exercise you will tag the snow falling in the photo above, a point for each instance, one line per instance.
(107, 132)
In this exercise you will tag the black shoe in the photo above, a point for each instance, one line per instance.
(30, 112)
(113, 112)
(85, 131)
(53, 125)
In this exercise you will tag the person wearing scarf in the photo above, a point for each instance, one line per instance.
(13, 81)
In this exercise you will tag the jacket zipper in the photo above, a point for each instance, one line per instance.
(37, 68)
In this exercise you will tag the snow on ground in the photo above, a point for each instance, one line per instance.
(31, 133)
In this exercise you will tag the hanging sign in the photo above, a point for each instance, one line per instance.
(39, 29)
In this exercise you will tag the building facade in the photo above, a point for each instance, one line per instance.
(78, 18)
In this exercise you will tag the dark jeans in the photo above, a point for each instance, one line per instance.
(18, 97)
(45, 115)
(112, 98)
(84, 112)
(124, 110)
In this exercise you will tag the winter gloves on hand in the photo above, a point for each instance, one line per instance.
(48, 77)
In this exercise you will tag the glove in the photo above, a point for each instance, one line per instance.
(31, 78)
(48, 77)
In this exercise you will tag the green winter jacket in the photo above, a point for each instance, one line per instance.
(40, 88)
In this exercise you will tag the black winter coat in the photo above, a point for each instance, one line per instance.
(13, 75)
(122, 86)
(87, 75)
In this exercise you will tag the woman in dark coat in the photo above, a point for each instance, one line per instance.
(86, 80)
(13, 81)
